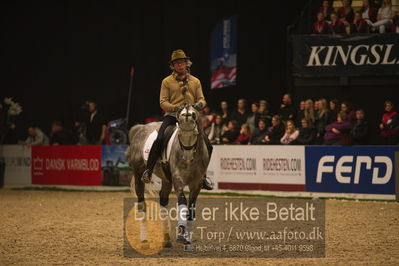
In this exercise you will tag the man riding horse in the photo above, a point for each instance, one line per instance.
(177, 89)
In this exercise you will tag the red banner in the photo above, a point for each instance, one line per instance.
(66, 165)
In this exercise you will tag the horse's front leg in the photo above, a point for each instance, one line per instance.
(164, 200)
(182, 235)
(194, 192)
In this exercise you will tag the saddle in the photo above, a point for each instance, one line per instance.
(169, 135)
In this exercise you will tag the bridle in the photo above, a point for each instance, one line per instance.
(193, 129)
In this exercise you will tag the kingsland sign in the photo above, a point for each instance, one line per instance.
(357, 55)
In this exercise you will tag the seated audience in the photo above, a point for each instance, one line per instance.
(306, 133)
(348, 109)
(321, 26)
(360, 130)
(395, 27)
(206, 125)
(217, 130)
(264, 112)
(345, 13)
(224, 110)
(337, 133)
(334, 106)
(389, 127)
(207, 111)
(245, 135)
(253, 117)
(337, 26)
(259, 133)
(359, 25)
(60, 135)
(287, 109)
(241, 113)
(322, 119)
(275, 132)
(309, 111)
(231, 133)
(326, 9)
(291, 133)
(300, 114)
(369, 13)
(385, 17)
(35, 137)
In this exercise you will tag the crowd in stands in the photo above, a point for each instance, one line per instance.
(371, 17)
(312, 122)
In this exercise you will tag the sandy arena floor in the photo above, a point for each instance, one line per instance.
(55, 227)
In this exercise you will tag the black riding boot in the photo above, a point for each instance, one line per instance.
(207, 183)
(152, 160)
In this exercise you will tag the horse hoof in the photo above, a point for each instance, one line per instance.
(188, 247)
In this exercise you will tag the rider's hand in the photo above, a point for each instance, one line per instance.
(178, 109)
(198, 106)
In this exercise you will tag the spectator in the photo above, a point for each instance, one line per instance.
(231, 133)
(306, 133)
(334, 109)
(337, 26)
(322, 119)
(369, 14)
(321, 26)
(253, 117)
(259, 133)
(360, 130)
(206, 125)
(337, 133)
(60, 135)
(385, 17)
(309, 111)
(241, 113)
(264, 112)
(217, 129)
(389, 127)
(359, 25)
(35, 137)
(326, 9)
(348, 109)
(291, 133)
(287, 109)
(395, 27)
(96, 125)
(245, 135)
(301, 113)
(224, 110)
(208, 113)
(275, 132)
(345, 13)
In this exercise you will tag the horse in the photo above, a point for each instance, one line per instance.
(186, 166)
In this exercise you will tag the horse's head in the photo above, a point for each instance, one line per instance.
(188, 131)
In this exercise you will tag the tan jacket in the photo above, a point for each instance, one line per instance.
(171, 95)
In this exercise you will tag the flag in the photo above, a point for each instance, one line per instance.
(224, 53)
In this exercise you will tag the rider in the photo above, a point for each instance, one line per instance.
(176, 89)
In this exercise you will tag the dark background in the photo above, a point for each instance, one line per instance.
(55, 55)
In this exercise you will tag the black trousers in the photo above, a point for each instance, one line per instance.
(156, 148)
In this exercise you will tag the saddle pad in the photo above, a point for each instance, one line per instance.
(150, 140)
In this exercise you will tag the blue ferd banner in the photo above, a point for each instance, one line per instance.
(224, 53)
(366, 169)
(352, 55)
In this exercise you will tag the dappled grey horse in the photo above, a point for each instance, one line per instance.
(185, 166)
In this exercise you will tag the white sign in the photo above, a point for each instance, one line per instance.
(18, 163)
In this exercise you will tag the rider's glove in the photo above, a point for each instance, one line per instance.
(198, 106)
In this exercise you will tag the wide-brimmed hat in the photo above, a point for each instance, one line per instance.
(178, 54)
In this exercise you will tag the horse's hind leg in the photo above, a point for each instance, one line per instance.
(164, 200)
(141, 208)
(182, 235)
(194, 191)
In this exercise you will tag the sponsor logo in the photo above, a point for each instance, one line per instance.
(17, 161)
(37, 163)
(282, 164)
(238, 164)
(349, 169)
(358, 55)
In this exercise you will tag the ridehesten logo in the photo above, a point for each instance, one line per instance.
(238, 164)
(282, 164)
(358, 55)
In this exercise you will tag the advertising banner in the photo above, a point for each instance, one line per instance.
(259, 167)
(224, 53)
(66, 165)
(353, 169)
(17, 164)
(115, 170)
(352, 55)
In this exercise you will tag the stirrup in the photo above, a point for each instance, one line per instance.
(146, 177)
(207, 184)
